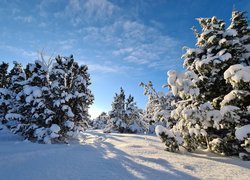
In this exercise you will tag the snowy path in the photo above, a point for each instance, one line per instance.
(111, 156)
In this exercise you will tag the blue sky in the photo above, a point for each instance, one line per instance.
(124, 42)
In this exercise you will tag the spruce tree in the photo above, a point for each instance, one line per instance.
(101, 121)
(4, 75)
(17, 80)
(35, 101)
(71, 96)
(5, 94)
(133, 116)
(125, 116)
(158, 108)
(203, 118)
(238, 77)
(117, 114)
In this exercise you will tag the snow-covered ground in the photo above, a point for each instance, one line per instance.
(111, 156)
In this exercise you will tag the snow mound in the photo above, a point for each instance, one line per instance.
(243, 132)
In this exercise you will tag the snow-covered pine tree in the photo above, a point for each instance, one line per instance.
(71, 96)
(101, 121)
(4, 75)
(239, 23)
(82, 98)
(158, 108)
(117, 114)
(236, 104)
(133, 117)
(5, 94)
(35, 105)
(17, 80)
(203, 119)
(125, 116)
(60, 84)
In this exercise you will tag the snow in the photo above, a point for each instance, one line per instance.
(11, 116)
(243, 132)
(237, 73)
(159, 129)
(247, 47)
(211, 39)
(222, 41)
(228, 109)
(225, 57)
(195, 51)
(230, 32)
(113, 156)
(55, 128)
(69, 124)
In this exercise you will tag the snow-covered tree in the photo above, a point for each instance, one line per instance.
(133, 116)
(117, 114)
(236, 102)
(125, 117)
(238, 77)
(158, 108)
(83, 97)
(71, 96)
(35, 104)
(5, 94)
(4, 75)
(17, 80)
(211, 110)
(101, 121)
(49, 107)
(239, 23)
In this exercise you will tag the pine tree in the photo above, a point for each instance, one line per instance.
(133, 117)
(117, 114)
(71, 96)
(101, 121)
(124, 117)
(5, 94)
(238, 77)
(4, 75)
(158, 108)
(35, 101)
(17, 80)
(61, 82)
(83, 97)
(239, 23)
(204, 117)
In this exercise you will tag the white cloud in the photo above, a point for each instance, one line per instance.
(122, 51)
(88, 11)
(25, 19)
(20, 51)
(105, 68)
(134, 42)
(98, 8)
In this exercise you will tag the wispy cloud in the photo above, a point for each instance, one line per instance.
(104, 31)
(87, 11)
(19, 51)
(25, 19)
(134, 42)
(93, 8)
(106, 67)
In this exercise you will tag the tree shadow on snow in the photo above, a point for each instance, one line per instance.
(222, 159)
(130, 167)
